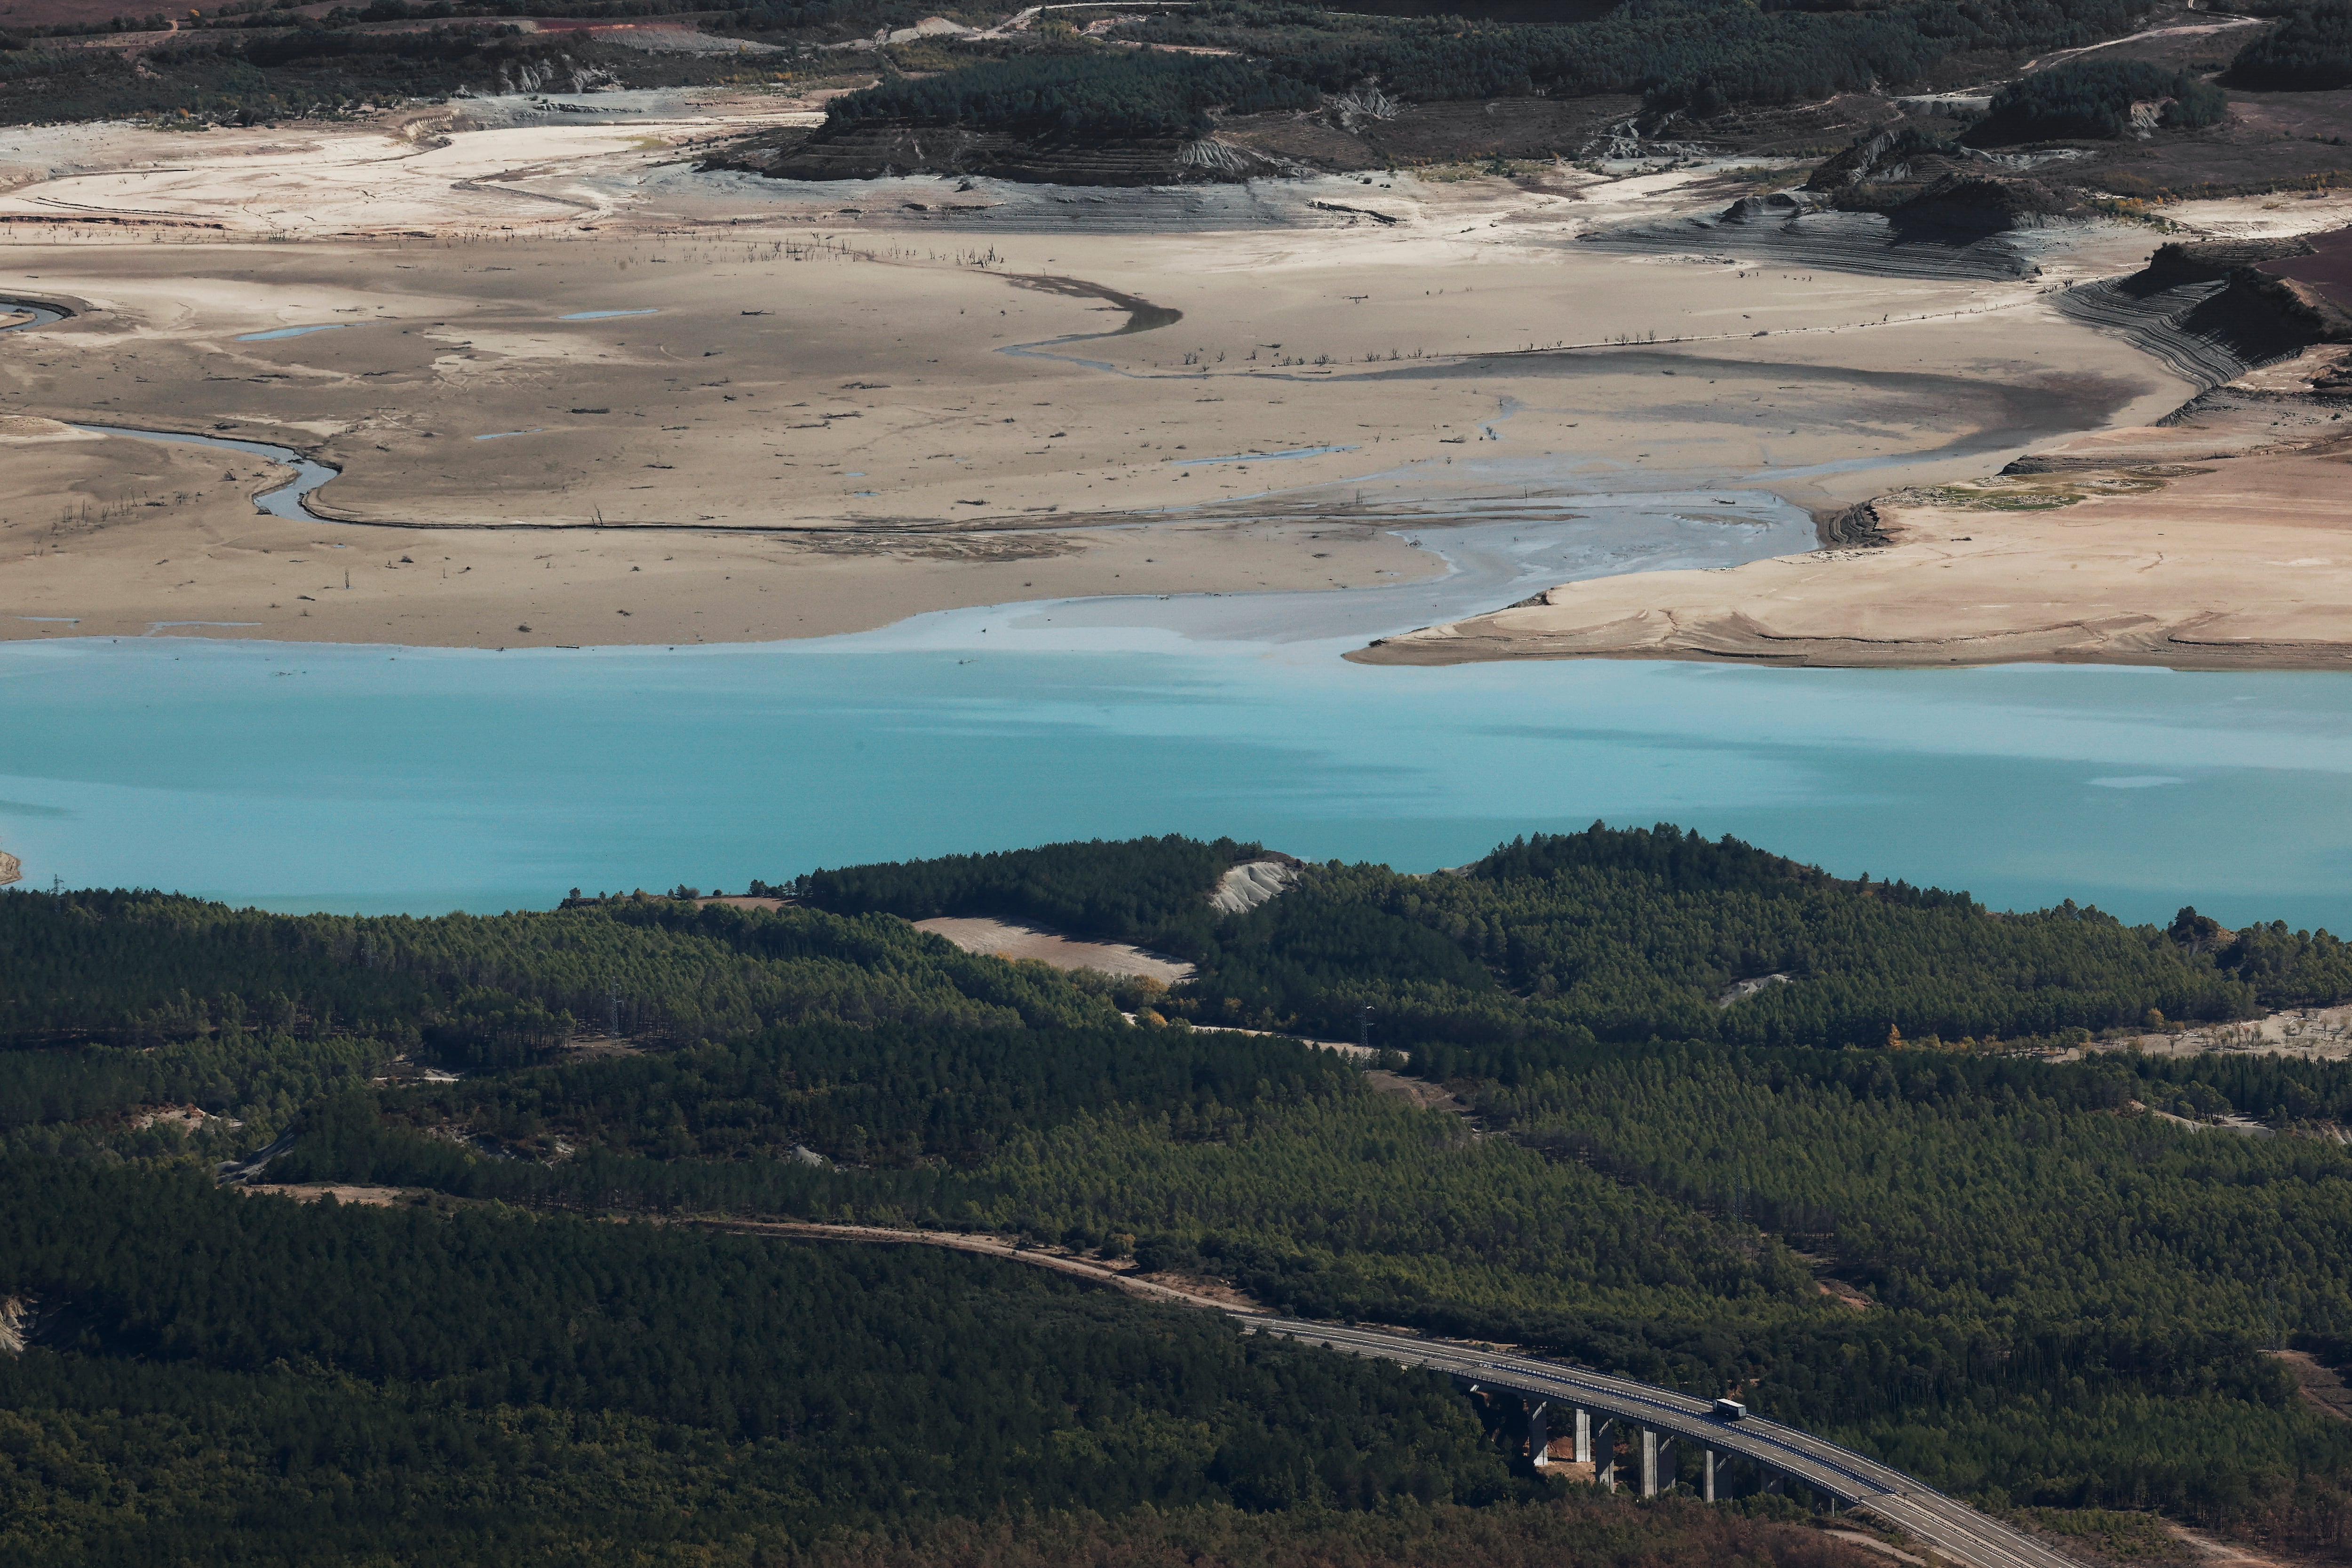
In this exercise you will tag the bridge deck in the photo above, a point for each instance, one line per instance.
(1953, 1529)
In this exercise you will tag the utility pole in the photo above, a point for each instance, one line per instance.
(1364, 1030)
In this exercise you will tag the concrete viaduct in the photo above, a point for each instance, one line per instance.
(1567, 1398)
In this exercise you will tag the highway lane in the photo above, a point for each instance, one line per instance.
(1953, 1529)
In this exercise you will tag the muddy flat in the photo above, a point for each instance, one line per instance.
(576, 392)
(573, 389)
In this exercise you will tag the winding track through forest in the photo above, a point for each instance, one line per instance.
(1951, 1528)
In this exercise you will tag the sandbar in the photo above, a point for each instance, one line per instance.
(2217, 540)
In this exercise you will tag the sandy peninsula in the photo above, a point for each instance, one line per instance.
(578, 391)
(2219, 539)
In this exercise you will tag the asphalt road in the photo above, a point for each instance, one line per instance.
(1952, 1529)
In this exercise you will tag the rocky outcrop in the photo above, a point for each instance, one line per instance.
(1885, 154)
(1856, 527)
(2300, 308)
(1251, 883)
(2334, 382)
(2178, 326)
(2206, 311)
(1983, 204)
(21, 1322)
(2213, 260)
(1775, 206)
(1788, 228)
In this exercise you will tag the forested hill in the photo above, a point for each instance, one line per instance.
(1615, 935)
(349, 1384)
(1559, 943)
(135, 967)
(2309, 50)
(1148, 890)
(1866, 1196)
(1696, 54)
(1548, 944)
(246, 62)
(2096, 98)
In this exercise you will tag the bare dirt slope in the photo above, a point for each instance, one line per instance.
(1014, 938)
(2322, 1388)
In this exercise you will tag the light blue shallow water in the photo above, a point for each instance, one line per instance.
(383, 779)
(277, 332)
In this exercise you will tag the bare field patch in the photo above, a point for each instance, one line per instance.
(312, 1192)
(1015, 940)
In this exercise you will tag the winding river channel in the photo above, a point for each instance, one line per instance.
(285, 501)
(313, 776)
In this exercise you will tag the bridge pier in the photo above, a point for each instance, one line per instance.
(1656, 1458)
(1658, 1467)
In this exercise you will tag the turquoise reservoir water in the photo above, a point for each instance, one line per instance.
(392, 779)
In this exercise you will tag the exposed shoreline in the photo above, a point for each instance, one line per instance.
(1303, 408)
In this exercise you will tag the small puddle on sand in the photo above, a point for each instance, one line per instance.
(606, 315)
(276, 332)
